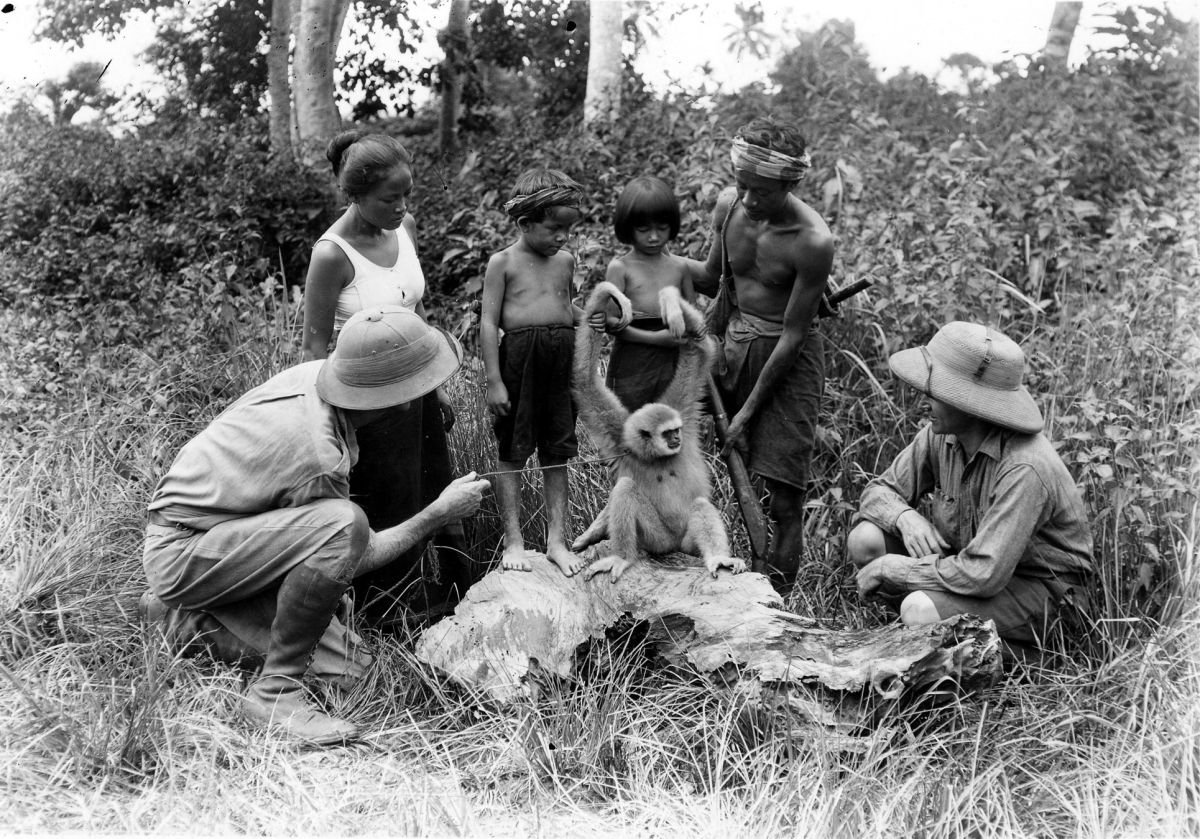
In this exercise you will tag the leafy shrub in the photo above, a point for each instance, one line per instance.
(96, 217)
(1059, 208)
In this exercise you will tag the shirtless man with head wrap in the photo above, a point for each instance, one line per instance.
(772, 254)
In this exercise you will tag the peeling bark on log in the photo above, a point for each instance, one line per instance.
(733, 627)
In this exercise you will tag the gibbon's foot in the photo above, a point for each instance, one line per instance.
(570, 564)
(586, 540)
(714, 563)
(517, 559)
(616, 565)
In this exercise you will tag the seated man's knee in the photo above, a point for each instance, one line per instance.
(864, 543)
(918, 609)
(349, 520)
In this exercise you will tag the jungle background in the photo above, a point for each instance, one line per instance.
(150, 272)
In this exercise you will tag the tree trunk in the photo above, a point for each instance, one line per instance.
(515, 629)
(1062, 31)
(279, 87)
(454, 41)
(602, 100)
(317, 117)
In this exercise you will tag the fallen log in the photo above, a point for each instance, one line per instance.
(732, 628)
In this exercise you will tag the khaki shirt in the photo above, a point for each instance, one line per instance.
(1013, 508)
(277, 446)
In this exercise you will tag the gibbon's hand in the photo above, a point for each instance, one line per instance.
(497, 399)
(919, 535)
(447, 409)
(461, 498)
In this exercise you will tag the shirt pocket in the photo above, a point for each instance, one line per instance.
(945, 517)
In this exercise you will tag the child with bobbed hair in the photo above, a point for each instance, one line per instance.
(646, 218)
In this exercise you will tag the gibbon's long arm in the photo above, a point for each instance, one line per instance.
(695, 357)
(600, 409)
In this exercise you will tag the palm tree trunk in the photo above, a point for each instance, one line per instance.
(279, 88)
(455, 46)
(1062, 31)
(602, 100)
(317, 33)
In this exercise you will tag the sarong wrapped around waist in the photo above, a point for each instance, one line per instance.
(743, 329)
(640, 373)
(782, 433)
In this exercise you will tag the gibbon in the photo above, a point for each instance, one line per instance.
(660, 501)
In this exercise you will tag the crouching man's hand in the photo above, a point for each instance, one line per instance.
(462, 497)
(920, 537)
(884, 577)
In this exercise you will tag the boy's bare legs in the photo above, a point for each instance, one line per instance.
(508, 493)
(555, 476)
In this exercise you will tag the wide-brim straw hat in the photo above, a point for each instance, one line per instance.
(975, 369)
(385, 356)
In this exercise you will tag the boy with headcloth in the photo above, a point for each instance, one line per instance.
(527, 293)
(771, 255)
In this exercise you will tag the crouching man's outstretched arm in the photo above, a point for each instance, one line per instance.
(459, 500)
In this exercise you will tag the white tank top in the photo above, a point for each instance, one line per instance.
(402, 284)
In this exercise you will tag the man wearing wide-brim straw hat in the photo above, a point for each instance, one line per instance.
(252, 538)
(1006, 536)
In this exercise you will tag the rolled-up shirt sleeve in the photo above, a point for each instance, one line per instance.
(899, 489)
(983, 568)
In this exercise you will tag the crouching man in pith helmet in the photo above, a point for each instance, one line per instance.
(1006, 536)
(252, 538)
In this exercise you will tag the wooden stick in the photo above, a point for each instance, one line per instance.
(739, 476)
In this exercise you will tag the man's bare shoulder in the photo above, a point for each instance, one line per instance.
(725, 201)
(813, 236)
(813, 253)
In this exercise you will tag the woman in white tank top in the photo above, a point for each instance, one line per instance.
(368, 257)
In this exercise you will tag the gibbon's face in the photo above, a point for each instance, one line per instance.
(654, 431)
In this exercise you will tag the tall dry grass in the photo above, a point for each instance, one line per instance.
(103, 730)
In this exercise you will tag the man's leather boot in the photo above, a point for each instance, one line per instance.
(278, 699)
(190, 632)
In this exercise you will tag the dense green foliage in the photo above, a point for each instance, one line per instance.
(1017, 204)
(148, 278)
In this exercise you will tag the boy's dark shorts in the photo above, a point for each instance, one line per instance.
(535, 366)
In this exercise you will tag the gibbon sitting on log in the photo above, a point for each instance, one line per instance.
(660, 501)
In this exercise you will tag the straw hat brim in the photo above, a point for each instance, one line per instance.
(1012, 409)
(443, 365)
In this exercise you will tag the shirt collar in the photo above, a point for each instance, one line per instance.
(992, 445)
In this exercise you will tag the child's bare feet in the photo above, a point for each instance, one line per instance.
(570, 564)
(516, 558)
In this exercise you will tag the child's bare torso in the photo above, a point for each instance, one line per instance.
(537, 289)
(646, 276)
